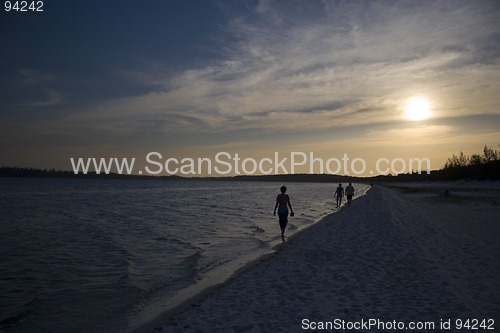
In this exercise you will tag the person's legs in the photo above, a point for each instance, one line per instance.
(283, 216)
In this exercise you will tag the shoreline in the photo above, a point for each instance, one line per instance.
(183, 306)
(391, 256)
(190, 296)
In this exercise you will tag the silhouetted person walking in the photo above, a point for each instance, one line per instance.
(349, 192)
(339, 193)
(282, 204)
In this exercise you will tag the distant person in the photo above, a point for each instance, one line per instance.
(349, 192)
(339, 193)
(282, 204)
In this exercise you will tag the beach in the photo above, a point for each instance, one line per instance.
(405, 257)
(74, 264)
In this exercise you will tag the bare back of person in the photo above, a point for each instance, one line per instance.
(282, 199)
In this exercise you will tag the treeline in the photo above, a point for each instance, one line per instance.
(300, 177)
(486, 171)
(40, 173)
(7, 171)
(475, 166)
(461, 161)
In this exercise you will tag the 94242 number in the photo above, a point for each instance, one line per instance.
(23, 6)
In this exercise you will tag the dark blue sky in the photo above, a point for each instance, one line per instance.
(190, 78)
(84, 45)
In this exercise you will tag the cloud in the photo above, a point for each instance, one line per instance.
(318, 64)
(51, 98)
(29, 88)
(287, 68)
(31, 77)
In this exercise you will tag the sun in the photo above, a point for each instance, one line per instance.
(417, 108)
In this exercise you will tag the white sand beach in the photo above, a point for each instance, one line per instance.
(401, 255)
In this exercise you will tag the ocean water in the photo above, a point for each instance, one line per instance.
(87, 255)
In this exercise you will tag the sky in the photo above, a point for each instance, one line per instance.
(192, 78)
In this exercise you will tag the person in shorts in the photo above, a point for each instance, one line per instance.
(282, 204)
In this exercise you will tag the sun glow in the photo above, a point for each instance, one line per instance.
(417, 108)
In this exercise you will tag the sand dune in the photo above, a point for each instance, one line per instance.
(396, 257)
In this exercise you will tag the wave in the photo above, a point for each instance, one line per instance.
(145, 238)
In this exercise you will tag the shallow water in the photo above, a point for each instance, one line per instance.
(82, 255)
